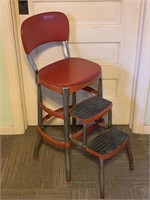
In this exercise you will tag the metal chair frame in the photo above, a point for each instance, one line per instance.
(63, 112)
(65, 95)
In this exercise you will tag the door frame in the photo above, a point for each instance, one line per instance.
(142, 73)
(11, 60)
(15, 84)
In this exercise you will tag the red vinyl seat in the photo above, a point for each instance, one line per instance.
(69, 72)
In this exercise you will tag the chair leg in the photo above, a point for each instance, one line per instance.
(131, 165)
(109, 118)
(66, 132)
(84, 135)
(101, 178)
(37, 147)
(68, 164)
(100, 93)
(100, 88)
(39, 140)
(74, 119)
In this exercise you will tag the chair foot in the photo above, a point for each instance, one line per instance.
(101, 178)
(68, 164)
(37, 147)
(131, 165)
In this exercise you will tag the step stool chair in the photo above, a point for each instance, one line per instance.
(106, 143)
(66, 76)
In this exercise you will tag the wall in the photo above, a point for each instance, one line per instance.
(12, 71)
(5, 116)
(11, 111)
(147, 115)
(147, 51)
(147, 110)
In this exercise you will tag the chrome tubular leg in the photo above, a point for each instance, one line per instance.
(131, 165)
(66, 132)
(84, 135)
(100, 93)
(100, 88)
(109, 118)
(37, 147)
(39, 107)
(101, 178)
(73, 119)
(39, 140)
(68, 164)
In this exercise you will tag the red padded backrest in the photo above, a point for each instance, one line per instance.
(42, 28)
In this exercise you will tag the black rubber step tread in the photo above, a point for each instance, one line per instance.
(90, 107)
(108, 141)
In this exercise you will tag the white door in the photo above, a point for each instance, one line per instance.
(102, 31)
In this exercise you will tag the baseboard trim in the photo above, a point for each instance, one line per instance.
(7, 130)
(146, 129)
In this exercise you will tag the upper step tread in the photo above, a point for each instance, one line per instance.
(91, 107)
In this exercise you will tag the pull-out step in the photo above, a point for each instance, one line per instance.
(102, 144)
(91, 109)
(107, 143)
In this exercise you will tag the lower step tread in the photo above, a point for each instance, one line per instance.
(108, 141)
